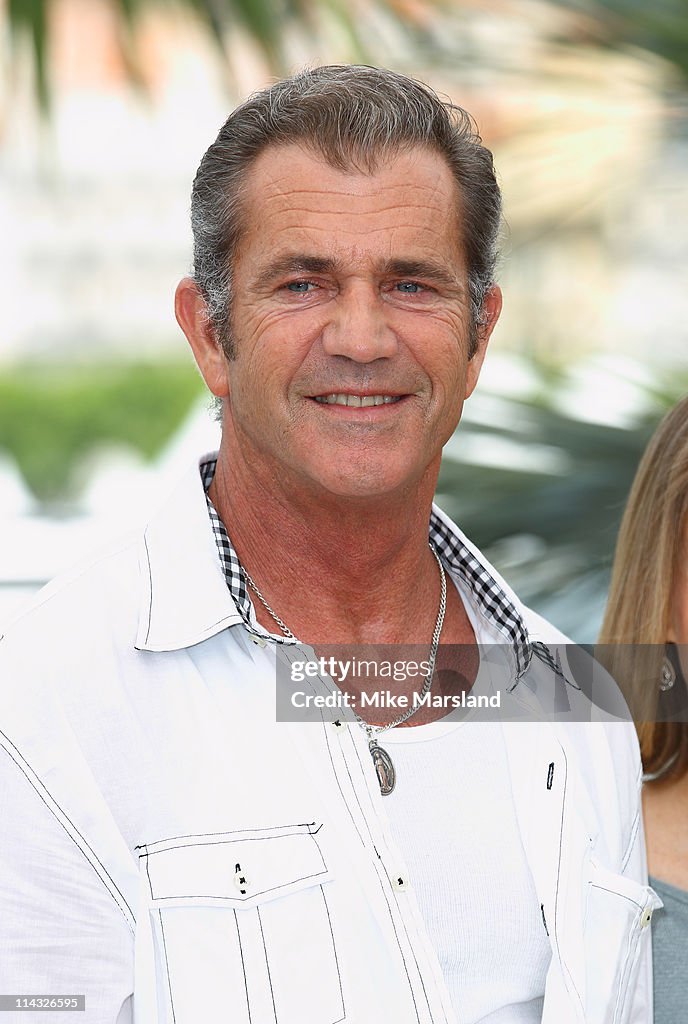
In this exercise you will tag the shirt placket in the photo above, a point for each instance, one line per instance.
(357, 789)
(425, 978)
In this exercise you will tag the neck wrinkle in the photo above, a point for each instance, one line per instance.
(368, 576)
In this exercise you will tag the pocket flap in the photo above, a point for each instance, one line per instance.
(644, 898)
(238, 869)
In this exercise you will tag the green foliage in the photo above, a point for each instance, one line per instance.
(29, 17)
(660, 26)
(657, 25)
(263, 20)
(50, 417)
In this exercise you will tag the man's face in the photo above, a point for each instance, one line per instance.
(349, 287)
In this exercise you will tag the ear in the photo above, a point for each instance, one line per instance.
(191, 311)
(489, 315)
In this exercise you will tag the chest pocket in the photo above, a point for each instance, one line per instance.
(242, 928)
(618, 915)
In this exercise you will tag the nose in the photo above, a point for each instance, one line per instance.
(358, 328)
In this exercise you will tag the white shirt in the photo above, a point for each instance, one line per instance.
(143, 777)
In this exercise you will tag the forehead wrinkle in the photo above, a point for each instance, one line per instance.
(285, 188)
(297, 200)
(274, 177)
(301, 215)
(357, 224)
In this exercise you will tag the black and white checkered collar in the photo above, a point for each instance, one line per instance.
(490, 597)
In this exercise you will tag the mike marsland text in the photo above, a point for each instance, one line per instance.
(386, 699)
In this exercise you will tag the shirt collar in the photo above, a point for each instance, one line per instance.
(184, 594)
(490, 595)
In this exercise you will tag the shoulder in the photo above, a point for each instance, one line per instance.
(97, 597)
(595, 730)
(593, 695)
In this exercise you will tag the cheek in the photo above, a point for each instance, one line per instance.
(269, 361)
(443, 355)
(441, 337)
(288, 331)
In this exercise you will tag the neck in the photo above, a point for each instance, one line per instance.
(335, 570)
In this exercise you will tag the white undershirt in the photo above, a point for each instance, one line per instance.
(452, 816)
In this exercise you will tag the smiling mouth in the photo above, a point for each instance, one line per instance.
(357, 401)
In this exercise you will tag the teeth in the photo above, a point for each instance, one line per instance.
(357, 401)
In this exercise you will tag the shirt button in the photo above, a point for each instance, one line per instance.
(240, 880)
(645, 919)
(338, 725)
(400, 883)
(259, 641)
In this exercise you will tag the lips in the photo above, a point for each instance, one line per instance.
(357, 401)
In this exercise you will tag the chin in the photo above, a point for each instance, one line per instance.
(367, 482)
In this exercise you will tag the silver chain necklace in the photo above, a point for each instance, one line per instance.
(282, 625)
(384, 766)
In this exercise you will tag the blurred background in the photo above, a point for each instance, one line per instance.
(106, 107)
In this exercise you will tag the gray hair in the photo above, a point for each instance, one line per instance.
(355, 117)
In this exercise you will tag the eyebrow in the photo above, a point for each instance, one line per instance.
(299, 263)
(294, 263)
(427, 269)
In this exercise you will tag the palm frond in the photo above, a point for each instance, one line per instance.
(29, 18)
(544, 491)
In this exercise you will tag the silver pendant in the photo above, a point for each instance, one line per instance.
(386, 775)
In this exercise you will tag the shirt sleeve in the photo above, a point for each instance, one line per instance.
(61, 930)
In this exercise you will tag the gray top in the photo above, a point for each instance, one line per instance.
(670, 953)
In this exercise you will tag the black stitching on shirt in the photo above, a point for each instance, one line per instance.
(556, 891)
(150, 580)
(379, 866)
(328, 740)
(236, 899)
(267, 963)
(336, 960)
(243, 966)
(403, 957)
(312, 835)
(167, 965)
(550, 775)
(222, 842)
(614, 892)
(150, 884)
(105, 874)
(631, 842)
(542, 911)
(241, 831)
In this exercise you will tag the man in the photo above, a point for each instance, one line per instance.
(172, 852)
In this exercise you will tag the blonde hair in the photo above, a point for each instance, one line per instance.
(650, 545)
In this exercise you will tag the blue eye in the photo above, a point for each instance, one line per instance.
(410, 287)
(300, 287)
